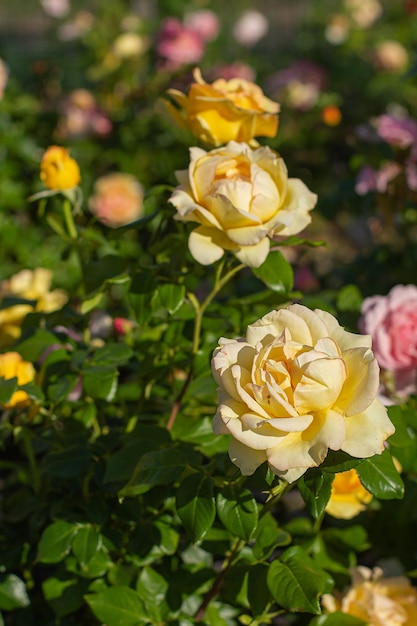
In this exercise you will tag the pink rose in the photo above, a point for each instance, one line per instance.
(117, 200)
(179, 45)
(397, 132)
(203, 22)
(391, 320)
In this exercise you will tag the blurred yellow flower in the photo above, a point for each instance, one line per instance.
(349, 497)
(226, 110)
(59, 171)
(12, 365)
(28, 285)
(377, 600)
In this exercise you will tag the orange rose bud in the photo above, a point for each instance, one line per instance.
(331, 115)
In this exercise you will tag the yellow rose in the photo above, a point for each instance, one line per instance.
(28, 285)
(12, 365)
(58, 170)
(377, 600)
(348, 497)
(117, 200)
(226, 110)
(295, 387)
(240, 197)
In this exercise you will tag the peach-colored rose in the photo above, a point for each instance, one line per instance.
(226, 110)
(13, 366)
(377, 600)
(117, 200)
(28, 285)
(296, 386)
(391, 320)
(391, 56)
(240, 197)
(58, 170)
(348, 497)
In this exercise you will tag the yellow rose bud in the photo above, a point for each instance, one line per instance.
(296, 386)
(59, 171)
(12, 365)
(375, 599)
(348, 497)
(240, 197)
(226, 110)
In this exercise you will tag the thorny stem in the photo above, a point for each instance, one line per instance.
(200, 308)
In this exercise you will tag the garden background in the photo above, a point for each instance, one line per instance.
(119, 504)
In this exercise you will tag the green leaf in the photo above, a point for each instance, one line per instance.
(337, 619)
(380, 476)
(13, 594)
(315, 488)
(195, 505)
(55, 542)
(296, 582)
(268, 536)
(349, 298)
(85, 545)
(259, 596)
(339, 461)
(276, 272)
(238, 511)
(32, 348)
(152, 589)
(171, 297)
(160, 467)
(64, 596)
(100, 381)
(7, 389)
(33, 391)
(118, 606)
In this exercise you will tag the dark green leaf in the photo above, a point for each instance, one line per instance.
(55, 542)
(380, 476)
(118, 606)
(152, 589)
(276, 272)
(259, 595)
(13, 594)
(161, 467)
(31, 349)
(238, 511)
(195, 505)
(64, 596)
(337, 619)
(315, 488)
(339, 461)
(296, 582)
(171, 297)
(100, 381)
(85, 545)
(7, 389)
(69, 463)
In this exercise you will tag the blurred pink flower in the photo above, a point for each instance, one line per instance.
(56, 8)
(82, 116)
(365, 180)
(231, 70)
(3, 78)
(117, 200)
(250, 28)
(391, 320)
(179, 45)
(122, 325)
(398, 132)
(204, 22)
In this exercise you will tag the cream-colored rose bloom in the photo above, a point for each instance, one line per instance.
(377, 600)
(348, 497)
(296, 386)
(28, 285)
(240, 197)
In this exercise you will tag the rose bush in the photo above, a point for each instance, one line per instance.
(295, 387)
(377, 600)
(59, 171)
(391, 320)
(13, 366)
(241, 197)
(226, 110)
(348, 497)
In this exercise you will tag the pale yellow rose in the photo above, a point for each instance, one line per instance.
(295, 387)
(348, 497)
(28, 285)
(240, 197)
(377, 600)
(12, 365)
(117, 199)
(59, 171)
(226, 110)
